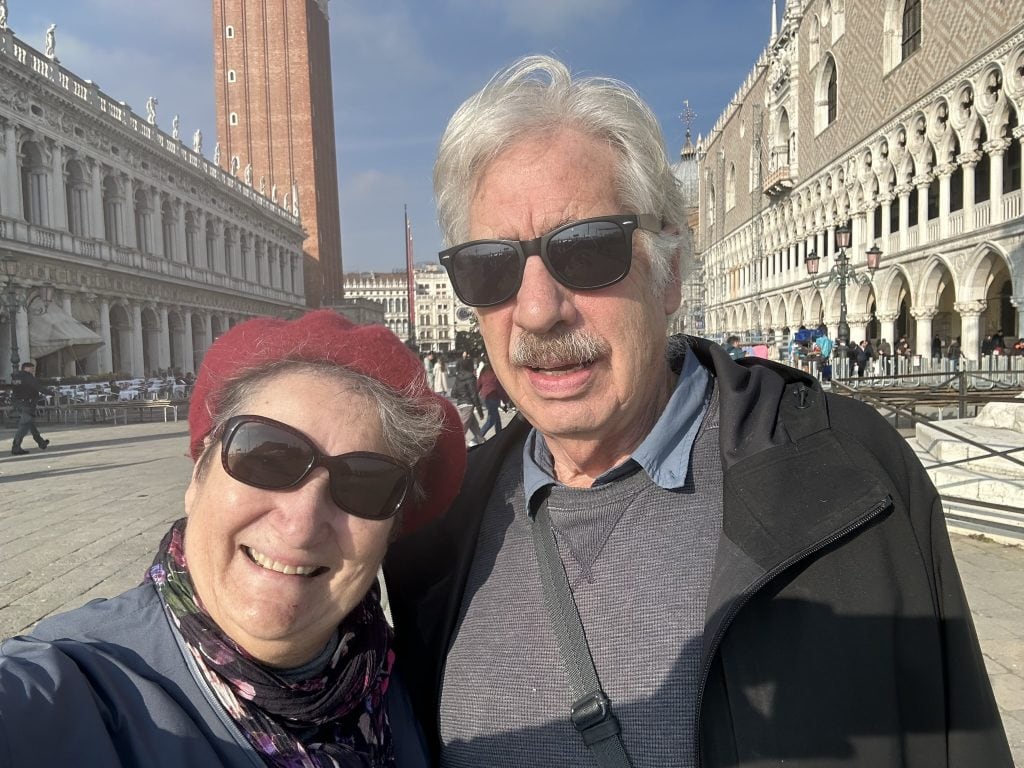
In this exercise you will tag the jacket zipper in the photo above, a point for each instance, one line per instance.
(757, 586)
(211, 697)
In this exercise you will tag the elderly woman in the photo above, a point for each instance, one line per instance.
(258, 636)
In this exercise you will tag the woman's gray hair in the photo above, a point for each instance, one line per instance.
(410, 425)
(537, 96)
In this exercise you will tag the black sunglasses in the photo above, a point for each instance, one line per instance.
(267, 454)
(584, 255)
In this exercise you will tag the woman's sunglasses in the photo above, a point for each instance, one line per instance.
(267, 454)
(584, 255)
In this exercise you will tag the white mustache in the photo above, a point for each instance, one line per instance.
(574, 347)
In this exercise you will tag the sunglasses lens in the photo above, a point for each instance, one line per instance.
(368, 487)
(589, 255)
(486, 273)
(265, 456)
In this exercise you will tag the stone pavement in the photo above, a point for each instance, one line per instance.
(82, 520)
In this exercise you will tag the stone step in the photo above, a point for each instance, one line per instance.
(942, 447)
(960, 482)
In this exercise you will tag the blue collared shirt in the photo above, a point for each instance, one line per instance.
(664, 454)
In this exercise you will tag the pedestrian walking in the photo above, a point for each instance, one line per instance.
(467, 399)
(440, 376)
(493, 395)
(27, 391)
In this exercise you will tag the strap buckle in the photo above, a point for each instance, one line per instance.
(593, 717)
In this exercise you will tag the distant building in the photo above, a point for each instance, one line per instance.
(152, 251)
(689, 318)
(439, 313)
(275, 119)
(899, 118)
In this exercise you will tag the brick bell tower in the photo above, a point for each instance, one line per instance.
(275, 110)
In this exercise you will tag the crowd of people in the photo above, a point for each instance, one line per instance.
(474, 388)
(669, 557)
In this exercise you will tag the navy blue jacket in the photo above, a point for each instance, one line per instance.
(110, 684)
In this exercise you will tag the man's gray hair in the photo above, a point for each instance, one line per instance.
(537, 96)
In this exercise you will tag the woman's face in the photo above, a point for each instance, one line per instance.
(286, 619)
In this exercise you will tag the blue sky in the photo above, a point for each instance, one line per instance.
(401, 67)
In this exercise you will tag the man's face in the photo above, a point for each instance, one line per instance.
(530, 189)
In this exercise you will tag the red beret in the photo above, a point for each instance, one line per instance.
(326, 336)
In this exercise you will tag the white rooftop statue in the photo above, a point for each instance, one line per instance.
(3, 14)
(51, 42)
(151, 103)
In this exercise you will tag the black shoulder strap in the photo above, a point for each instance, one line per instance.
(591, 714)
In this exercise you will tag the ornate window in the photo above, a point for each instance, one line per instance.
(911, 36)
(826, 106)
(831, 94)
(730, 187)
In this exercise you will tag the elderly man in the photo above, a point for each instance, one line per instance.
(673, 559)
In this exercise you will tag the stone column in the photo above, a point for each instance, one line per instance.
(298, 274)
(164, 347)
(96, 200)
(885, 200)
(971, 327)
(996, 149)
(858, 327)
(887, 326)
(12, 203)
(218, 247)
(923, 330)
(188, 357)
(969, 160)
(201, 259)
(138, 357)
(869, 226)
(106, 361)
(130, 238)
(181, 235)
(922, 183)
(830, 243)
(904, 190)
(58, 200)
(944, 172)
(67, 358)
(156, 222)
(1018, 303)
(856, 237)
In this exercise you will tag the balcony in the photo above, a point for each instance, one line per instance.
(778, 181)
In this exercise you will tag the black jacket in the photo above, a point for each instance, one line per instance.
(464, 391)
(27, 389)
(836, 630)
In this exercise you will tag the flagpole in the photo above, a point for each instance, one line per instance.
(410, 280)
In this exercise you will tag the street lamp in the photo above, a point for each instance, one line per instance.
(842, 273)
(13, 301)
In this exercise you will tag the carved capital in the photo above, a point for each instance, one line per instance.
(904, 190)
(945, 170)
(997, 147)
(969, 159)
(970, 308)
(887, 317)
(923, 313)
(922, 180)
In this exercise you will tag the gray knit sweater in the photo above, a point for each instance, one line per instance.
(639, 559)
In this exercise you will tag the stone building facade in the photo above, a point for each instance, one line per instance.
(439, 313)
(150, 250)
(900, 119)
(275, 119)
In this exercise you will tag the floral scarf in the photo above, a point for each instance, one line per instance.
(334, 719)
